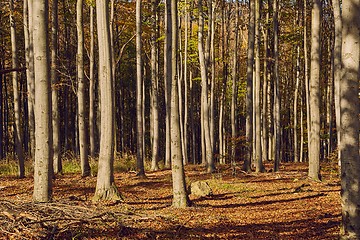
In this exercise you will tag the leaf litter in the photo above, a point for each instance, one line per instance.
(283, 205)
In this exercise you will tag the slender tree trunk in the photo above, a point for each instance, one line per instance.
(57, 163)
(204, 97)
(167, 80)
(314, 144)
(180, 197)
(92, 86)
(43, 131)
(264, 136)
(139, 91)
(249, 88)
(154, 88)
(17, 111)
(186, 105)
(296, 95)
(258, 151)
(277, 104)
(306, 75)
(81, 98)
(29, 57)
(234, 89)
(350, 125)
(105, 185)
(337, 69)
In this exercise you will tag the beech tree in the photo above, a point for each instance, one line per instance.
(350, 125)
(180, 196)
(43, 131)
(105, 185)
(17, 114)
(314, 141)
(81, 98)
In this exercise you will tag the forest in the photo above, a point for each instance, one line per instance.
(185, 119)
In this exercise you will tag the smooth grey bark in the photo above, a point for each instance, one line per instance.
(30, 78)
(154, 88)
(167, 80)
(105, 185)
(259, 167)
(306, 74)
(180, 196)
(57, 163)
(18, 137)
(249, 88)
(92, 86)
(139, 95)
(234, 88)
(81, 97)
(314, 85)
(296, 96)
(186, 104)
(265, 93)
(204, 98)
(43, 132)
(350, 125)
(337, 68)
(277, 133)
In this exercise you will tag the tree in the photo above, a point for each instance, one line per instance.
(249, 87)
(314, 143)
(17, 111)
(204, 96)
(154, 87)
(92, 85)
(105, 185)
(81, 98)
(57, 163)
(350, 125)
(139, 94)
(180, 196)
(43, 131)
(257, 110)
(30, 78)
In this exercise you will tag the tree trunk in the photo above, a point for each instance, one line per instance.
(180, 196)
(57, 163)
(234, 89)
(139, 91)
(277, 104)
(314, 144)
(249, 88)
(17, 111)
(204, 97)
(337, 69)
(29, 58)
(154, 88)
(105, 186)
(349, 107)
(296, 95)
(81, 98)
(43, 131)
(258, 151)
(167, 80)
(92, 86)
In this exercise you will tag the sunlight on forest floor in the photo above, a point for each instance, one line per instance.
(283, 205)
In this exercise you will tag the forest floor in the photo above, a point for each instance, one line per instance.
(283, 205)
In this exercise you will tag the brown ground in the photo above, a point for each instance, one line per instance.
(284, 205)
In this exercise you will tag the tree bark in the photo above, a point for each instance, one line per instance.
(81, 98)
(43, 131)
(57, 163)
(29, 57)
(139, 94)
(314, 144)
(249, 88)
(204, 98)
(105, 185)
(17, 110)
(180, 196)
(350, 125)
(92, 86)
